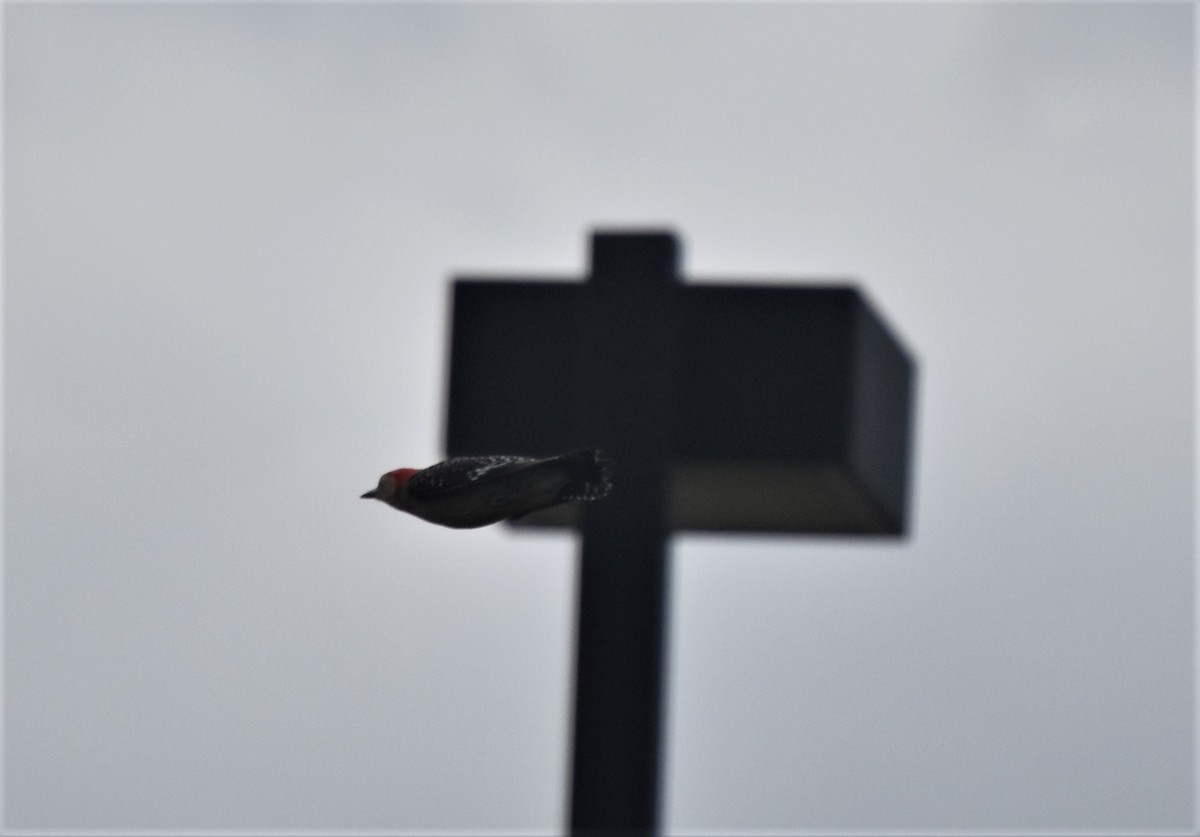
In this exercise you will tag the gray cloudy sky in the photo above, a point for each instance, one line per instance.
(228, 235)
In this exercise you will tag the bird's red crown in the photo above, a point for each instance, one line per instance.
(402, 476)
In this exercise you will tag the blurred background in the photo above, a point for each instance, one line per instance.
(229, 231)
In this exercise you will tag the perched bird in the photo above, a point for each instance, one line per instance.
(471, 491)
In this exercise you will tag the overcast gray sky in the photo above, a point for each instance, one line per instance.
(229, 232)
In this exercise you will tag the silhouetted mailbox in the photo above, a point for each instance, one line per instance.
(725, 407)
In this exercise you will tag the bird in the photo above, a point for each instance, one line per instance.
(467, 492)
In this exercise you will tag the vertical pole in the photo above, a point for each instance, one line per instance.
(625, 402)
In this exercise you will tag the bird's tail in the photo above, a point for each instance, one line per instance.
(590, 475)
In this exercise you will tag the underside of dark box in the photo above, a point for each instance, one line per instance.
(793, 403)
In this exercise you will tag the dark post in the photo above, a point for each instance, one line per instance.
(726, 407)
(625, 402)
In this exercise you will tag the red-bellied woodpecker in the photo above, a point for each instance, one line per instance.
(471, 491)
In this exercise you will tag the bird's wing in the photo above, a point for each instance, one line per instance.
(449, 476)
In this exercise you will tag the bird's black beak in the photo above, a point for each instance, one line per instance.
(370, 495)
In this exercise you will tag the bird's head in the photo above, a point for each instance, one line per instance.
(391, 486)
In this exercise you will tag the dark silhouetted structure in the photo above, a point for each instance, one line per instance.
(725, 407)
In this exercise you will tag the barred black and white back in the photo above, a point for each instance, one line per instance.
(471, 491)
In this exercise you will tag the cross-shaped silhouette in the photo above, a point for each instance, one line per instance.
(724, 407)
